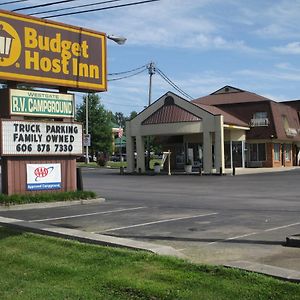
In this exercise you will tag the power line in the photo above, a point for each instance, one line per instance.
(128, 76)
(168, 80)
(125, 72)
(43, 5)
(74, 7)
(12, 2)
(98, 9)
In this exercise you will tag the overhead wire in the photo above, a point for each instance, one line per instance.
(98, 9)
(13, 2)
(176, 87)
(128, 76)
(144, 68)
(43, 5)
(129, 71)
(73, 7)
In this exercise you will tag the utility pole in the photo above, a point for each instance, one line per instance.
(151, 72)
(87, 159)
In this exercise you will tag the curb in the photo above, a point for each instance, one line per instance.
(276, 272)
(51, 204)
(293, 241)
(86, 237)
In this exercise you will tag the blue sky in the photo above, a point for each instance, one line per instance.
(201, 45)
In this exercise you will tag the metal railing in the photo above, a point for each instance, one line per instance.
(259, 122)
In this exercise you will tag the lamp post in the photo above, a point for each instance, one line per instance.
(120, 41)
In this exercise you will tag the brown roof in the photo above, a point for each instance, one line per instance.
(228, 118)
(280, 109)
(170, 114)
(238, 96)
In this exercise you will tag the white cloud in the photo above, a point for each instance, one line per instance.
(291, 48)
(269, 75)
(168, 23)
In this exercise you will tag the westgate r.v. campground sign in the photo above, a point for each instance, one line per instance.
(41, 104)
(51, 54)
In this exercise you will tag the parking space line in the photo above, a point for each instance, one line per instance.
(233, 238)
(281, 227)
(90, 214)
(254, 233)
(161, 221)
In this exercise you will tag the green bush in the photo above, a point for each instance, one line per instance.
(45, 197)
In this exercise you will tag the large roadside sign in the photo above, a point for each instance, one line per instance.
(49, 53)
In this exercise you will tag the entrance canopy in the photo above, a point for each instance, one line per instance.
(172, 115)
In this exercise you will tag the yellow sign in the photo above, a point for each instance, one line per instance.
(52, 54)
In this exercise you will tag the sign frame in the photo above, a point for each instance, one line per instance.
(41, 79)
(43, 152)
(37, 98)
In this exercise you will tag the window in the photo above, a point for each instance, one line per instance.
(260, 115)
(276, 151)
(259, 118)
(257, 152)
(288, 152)
(285, 122)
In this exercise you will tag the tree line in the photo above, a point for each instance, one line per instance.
(100, 122)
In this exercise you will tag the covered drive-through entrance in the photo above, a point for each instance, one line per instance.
(207, 136)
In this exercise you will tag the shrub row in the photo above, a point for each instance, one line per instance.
(45, 197)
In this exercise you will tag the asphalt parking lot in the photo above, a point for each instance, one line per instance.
(209, 219)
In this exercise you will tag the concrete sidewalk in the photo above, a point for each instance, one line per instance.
(248, 171)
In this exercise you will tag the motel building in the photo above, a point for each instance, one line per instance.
(226, 129)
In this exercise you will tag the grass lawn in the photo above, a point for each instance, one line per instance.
(117, 164)
(114, 164)
(36, 267)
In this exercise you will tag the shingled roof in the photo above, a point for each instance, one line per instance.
(170, 113)
(229, 95)
(228, 118)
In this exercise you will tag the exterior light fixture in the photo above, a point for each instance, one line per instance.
(120, 40)
(5, 43)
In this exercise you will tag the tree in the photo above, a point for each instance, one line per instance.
(132, 115)
(120, 119)
(98, 122)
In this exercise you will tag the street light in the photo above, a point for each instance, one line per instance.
(120, 40)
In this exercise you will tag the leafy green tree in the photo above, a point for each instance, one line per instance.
(99, 123)
(132, 115)
(120, 119)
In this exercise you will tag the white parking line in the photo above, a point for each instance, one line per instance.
(254, 233)
(90, 214)
(281, 227)
(233, 238)
(161, 221)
